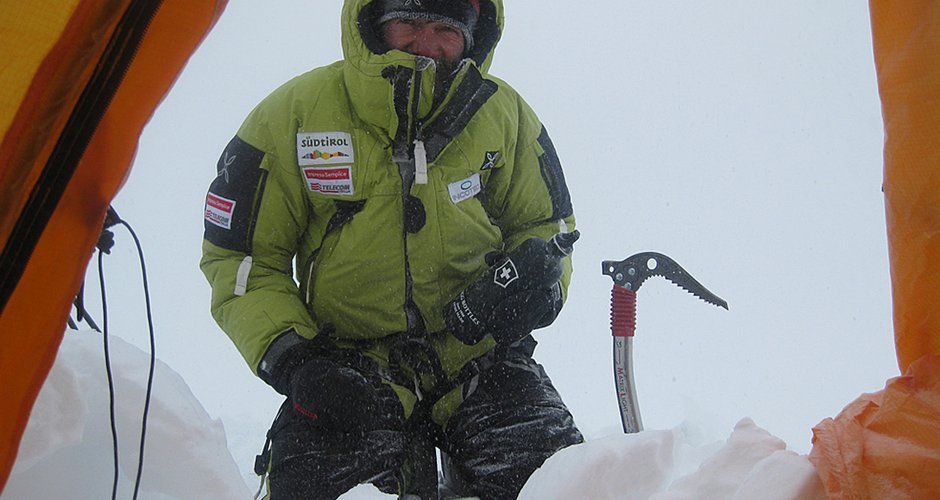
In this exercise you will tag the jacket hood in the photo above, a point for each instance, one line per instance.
(363, 47)
(370, 67)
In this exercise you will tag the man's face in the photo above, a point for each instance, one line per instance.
(432, 39)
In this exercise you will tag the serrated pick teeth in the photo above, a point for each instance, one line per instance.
(706, 297)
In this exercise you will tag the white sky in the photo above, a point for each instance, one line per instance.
(743, 139)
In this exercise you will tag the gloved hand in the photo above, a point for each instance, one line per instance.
(517, 315)
(340, 397)
(519, 293)
(331, 394)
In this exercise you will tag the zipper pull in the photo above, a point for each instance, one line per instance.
(421, 163)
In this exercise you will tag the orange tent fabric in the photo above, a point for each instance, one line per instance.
(94, 71)
(907, 55)
(887, 445)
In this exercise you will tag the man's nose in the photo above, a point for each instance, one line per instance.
(426, 43)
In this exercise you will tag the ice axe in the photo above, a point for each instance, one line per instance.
(628, 275)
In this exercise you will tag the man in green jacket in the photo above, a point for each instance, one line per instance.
(383, 236)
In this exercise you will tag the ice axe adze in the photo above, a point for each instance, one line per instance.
(628, 275)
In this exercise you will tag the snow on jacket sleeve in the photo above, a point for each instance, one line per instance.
(255, 214)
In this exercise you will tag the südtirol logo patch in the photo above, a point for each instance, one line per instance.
(324, 148)
(329, 180)
(219, 210)
(465, 189)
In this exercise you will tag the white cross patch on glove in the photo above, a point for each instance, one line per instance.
(505, 274)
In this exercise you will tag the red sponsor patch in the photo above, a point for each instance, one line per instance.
(219, 210)
(329, 180)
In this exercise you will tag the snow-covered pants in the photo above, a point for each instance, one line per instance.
(510, 421)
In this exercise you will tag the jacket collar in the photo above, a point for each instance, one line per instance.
(393, 91)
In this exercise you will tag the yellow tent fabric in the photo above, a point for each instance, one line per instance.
(887, 444)
(86, 76)
(30, 34)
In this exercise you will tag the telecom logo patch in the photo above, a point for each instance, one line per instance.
(324, 148)
(219, 210)
(330, 180)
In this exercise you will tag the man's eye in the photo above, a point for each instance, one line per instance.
(449, 31)
(415, 24)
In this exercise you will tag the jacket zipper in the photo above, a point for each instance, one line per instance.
(410, 156)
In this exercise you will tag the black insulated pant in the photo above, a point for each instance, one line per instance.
(511, 420)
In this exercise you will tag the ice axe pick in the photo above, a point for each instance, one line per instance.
(628, 275)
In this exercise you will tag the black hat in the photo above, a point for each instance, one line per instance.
(461, 14)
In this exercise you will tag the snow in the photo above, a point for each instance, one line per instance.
(66, 451)
(669, 465)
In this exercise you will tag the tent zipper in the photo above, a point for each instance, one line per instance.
(73, 141)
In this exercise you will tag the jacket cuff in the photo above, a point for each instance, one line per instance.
(274, 357)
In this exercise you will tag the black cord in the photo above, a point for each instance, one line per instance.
(107, 366)
(153, 358)
(111, 220)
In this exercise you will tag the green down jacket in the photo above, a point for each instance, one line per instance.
(311, 188)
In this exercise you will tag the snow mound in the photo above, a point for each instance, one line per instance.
(668, 465)
(66, 451)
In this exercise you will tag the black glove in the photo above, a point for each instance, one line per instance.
(518, 294)
(517, 315)
(329, 393)
(342, 398)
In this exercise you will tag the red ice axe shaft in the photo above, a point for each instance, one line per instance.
(628, 275)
